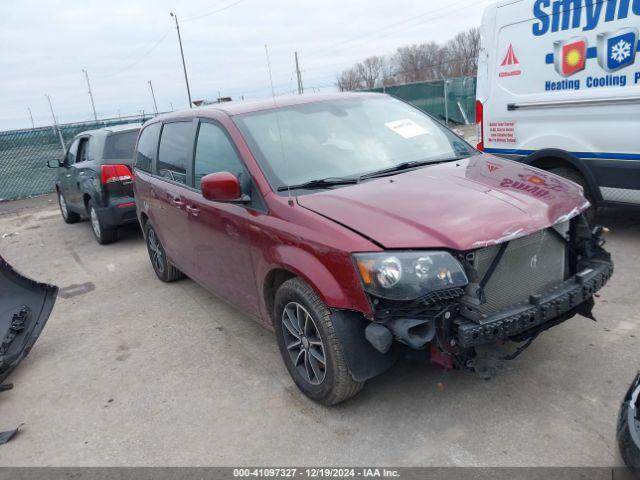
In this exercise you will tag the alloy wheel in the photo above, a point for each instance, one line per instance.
(304, 344)
(155, 250)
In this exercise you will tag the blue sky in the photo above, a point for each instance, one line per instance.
(44, 45)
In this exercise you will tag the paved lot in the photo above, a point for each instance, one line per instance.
(137, 372)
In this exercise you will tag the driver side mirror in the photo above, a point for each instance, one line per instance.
(222, 187)
(54, 163)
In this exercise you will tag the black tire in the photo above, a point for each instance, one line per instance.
(629, 450)
(337, 383)
(67, 215)
(576, 177)
(102, 234)
(161, 265)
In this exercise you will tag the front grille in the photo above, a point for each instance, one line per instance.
(530, 265)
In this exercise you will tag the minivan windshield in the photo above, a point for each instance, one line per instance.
(345, 139)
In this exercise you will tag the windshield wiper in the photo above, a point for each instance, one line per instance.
(319, 183)
(407, 166)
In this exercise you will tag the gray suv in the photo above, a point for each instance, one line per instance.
(95, 180)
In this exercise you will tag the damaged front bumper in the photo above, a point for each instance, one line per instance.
(540, 312)
(25, 306)
(453, 327)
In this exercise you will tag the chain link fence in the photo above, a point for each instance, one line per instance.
(460, 94)
(24, 155)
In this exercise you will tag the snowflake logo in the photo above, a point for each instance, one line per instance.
(621, 51)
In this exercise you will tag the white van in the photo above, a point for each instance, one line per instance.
(559, 88)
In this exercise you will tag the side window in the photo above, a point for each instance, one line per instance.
(70, 158)
(147, 147)
(174, 152)
(214, 153)
(83, 148)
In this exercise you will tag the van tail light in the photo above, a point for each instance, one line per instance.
(115, 173)
(479, 125)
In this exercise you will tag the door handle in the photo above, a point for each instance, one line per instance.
(81, 173)
(195, 211)
(68, 175)
(175, 200)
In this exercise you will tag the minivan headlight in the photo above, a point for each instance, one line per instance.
(408, 275)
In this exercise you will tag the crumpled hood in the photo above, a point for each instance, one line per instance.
(472, 203)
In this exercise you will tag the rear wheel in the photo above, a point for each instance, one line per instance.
(161, 265)
(576, 177)
(67, 215)
(103, 234)
(309, 345)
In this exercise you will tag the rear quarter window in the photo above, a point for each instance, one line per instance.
(147, 147)
(120, 145)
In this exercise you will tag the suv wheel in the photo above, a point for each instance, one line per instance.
(576, 177)
(67, 215)
(103, 234)
(309, 345)
(161, 265)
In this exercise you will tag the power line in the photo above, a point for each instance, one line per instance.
(227, 7)
(323, 52)
(134, 63)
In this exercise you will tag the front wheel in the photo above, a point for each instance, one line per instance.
(164, 269)
(309, 345)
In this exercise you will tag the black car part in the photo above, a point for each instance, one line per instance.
(25, 306)
(629, 427)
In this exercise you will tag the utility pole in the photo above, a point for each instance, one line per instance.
(155, 105)
(184, 66)
(55, 124)
(33, 125)
(93, 105)
(300, 87)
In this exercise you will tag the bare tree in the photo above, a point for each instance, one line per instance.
(371, 71)
(348, 80)
(414, 63)
(462, 52)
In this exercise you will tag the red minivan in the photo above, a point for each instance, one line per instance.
(361, 229)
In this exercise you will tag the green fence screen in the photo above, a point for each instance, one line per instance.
(430, 97)
(24, 155)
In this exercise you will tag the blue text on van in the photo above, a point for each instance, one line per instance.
(557, 15)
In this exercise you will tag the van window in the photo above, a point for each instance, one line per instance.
(120, 145)
(174, 153)
(214, 153)
(147, 147)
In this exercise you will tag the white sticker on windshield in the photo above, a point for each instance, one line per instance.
(407, 128)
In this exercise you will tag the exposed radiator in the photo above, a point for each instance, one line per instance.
(530, 265)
